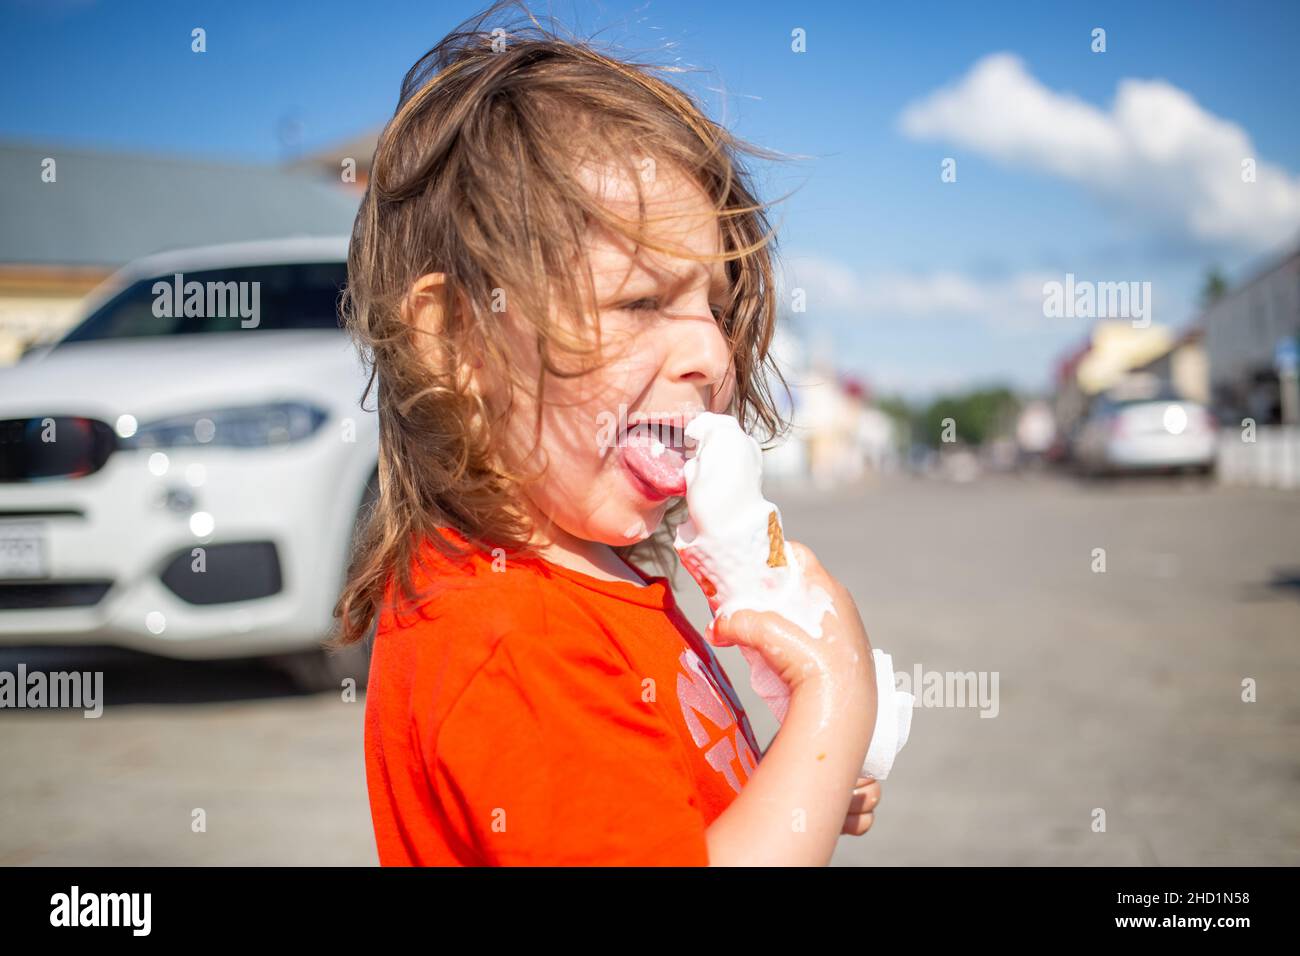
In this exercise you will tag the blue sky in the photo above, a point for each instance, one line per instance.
(919, 285)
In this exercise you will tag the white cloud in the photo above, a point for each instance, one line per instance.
(832, 288)
(828, 284)
(1157, 150)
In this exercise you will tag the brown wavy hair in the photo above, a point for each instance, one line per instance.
(475, 177)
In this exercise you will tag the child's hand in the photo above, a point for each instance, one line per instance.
(866, 795)
(839, 660)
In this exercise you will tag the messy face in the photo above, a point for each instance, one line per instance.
(612, 438)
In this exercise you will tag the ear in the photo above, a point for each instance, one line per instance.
(425, 305)
(427, 309)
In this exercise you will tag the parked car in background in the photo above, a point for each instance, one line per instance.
(1160, 432)
(182, 472)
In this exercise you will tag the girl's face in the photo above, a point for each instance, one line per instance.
(664, 359)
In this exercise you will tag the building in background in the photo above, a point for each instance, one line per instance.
(346, 164)
(1252, 341)
(1184, 367)
(875, 435)
(787, 460)
(1243, 331)
(1240, 358)
(1035, 431)
(1117, 348)
(1113, 350)
(73, 216)
(827, 416)
(837, 435)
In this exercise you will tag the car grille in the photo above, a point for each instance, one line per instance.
(31, 595)
(36, 449)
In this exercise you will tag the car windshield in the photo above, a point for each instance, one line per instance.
(1108, 405)
(268, 297)
(1164, 395)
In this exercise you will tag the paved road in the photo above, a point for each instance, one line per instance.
(1117, 691)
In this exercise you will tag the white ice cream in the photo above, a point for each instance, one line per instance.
(725, 540)
(725, 546)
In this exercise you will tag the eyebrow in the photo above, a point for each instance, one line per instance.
(719, 281)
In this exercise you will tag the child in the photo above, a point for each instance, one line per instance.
(557, 262)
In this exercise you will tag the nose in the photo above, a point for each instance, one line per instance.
(700, 356)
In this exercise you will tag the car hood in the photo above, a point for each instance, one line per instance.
(155, 377)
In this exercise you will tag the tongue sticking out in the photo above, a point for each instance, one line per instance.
(660, 466)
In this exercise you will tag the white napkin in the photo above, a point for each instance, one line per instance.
(893, 710)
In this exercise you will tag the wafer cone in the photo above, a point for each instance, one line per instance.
(775, 542)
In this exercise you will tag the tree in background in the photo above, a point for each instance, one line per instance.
(1214, 287)
(977, 416)
(899, 412)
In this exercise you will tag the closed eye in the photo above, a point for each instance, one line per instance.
(652, 305)
(641, 305)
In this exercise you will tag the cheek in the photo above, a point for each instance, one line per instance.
(581, 486)
(635, 367)
(583, 410)
(581, 489)
(725, 393)
(580, 417)
(629, 373)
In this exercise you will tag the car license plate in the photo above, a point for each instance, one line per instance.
(22, 551)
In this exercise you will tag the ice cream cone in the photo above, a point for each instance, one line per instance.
(775, 542)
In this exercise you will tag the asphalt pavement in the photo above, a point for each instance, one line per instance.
(1105, 722)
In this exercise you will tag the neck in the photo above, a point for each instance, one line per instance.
(589, 557)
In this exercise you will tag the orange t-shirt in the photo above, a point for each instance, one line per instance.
(535, 715)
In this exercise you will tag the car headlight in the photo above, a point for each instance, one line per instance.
(248, 426)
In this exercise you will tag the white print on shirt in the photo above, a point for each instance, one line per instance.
(697, 696)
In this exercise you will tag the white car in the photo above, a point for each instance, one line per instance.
(188, 484)
(1159, 433)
